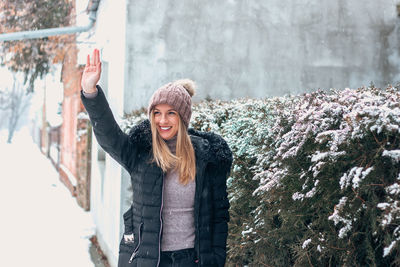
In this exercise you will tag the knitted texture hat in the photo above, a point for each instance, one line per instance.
(177, 94)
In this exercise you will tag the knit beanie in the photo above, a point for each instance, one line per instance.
(177, 94)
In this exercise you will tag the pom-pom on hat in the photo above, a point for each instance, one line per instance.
(177, 94)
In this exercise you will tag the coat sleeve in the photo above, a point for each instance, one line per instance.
(108, 134)
(220, 211)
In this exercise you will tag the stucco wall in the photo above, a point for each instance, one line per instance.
(238, 48)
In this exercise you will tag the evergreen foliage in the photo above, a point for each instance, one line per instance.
(315, 179)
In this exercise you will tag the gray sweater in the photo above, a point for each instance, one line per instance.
(178, 210)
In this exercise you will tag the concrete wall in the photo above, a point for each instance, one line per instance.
(237, 48)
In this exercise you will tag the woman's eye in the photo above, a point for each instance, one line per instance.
(156, 112)
(172, 113)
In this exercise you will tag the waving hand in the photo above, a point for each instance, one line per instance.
(91, 73)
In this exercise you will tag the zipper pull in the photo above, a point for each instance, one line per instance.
(132, 257)
(135, 252)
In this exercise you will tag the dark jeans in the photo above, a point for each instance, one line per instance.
(178, 258)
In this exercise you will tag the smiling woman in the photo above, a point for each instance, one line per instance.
(169, 111)
(179, 216)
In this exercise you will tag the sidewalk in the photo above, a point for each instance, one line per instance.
(41, 224)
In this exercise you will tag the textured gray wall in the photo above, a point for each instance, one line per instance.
(238, 48)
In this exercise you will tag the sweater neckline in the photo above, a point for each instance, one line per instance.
(171, 143)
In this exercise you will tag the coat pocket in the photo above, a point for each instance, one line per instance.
(127, 246)
(130, 242)
(129, 239)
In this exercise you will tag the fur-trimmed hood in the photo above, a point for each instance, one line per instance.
(208, 146)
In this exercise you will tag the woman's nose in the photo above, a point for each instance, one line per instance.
(163, 119)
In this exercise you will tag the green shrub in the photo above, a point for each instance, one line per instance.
(315, 178)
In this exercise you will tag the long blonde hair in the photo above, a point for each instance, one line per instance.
(184, 161)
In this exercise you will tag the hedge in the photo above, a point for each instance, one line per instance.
(315, 177)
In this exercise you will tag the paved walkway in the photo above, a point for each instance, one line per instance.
(41, 224)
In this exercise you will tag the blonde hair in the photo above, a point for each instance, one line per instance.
(184, 161)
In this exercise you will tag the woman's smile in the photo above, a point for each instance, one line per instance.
(165, 128)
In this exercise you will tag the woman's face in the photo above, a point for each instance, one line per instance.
(166, 120)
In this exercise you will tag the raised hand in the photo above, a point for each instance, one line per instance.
(91, 73)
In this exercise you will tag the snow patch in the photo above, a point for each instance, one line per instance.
(393, 154)
(306, 243)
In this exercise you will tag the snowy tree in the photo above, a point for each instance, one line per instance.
(13, 103)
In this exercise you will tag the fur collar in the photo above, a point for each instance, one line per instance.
(208, 146)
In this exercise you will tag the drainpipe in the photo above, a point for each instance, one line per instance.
(54, 31)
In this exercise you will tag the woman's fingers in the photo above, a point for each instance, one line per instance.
(98, 67)
(97, 59)
(94, 60)
(91, 58)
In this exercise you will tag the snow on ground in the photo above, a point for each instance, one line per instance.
(41, 224)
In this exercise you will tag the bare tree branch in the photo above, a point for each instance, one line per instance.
(18, 100)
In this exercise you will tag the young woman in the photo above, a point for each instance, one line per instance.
(179, 212)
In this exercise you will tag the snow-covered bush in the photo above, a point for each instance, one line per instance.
(315, 178)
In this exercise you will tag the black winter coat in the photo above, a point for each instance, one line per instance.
(143, 219)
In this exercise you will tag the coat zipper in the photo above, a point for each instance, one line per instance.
(196, 219)
(137, 248)
(161, 222)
